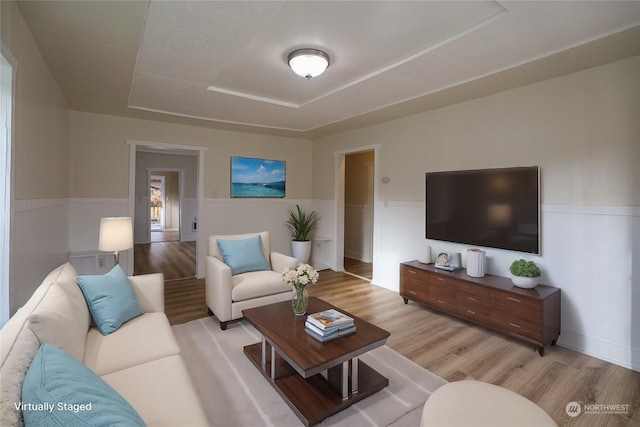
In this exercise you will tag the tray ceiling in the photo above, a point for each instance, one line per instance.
(224, 63)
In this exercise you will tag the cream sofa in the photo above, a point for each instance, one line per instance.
(227, 295)
(141, 360)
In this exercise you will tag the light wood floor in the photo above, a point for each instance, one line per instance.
(176, 260)
(165, 236)
(359, 268)
(456, 350)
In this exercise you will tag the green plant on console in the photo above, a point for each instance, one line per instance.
(301, 224)
(524, 268)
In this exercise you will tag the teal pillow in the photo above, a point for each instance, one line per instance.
(243, 255)
(110, 299)
(60, 390)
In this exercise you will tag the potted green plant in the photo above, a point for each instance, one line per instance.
(301, 225)
(524, 274)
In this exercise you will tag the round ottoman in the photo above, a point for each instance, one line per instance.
(474, 403)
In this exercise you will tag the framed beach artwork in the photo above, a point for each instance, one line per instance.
(251, 177)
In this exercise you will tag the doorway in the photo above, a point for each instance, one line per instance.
(359, 213)
(165, 205)
(165, 193)
(156, 203)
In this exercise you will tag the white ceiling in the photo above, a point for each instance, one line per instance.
(223, 64)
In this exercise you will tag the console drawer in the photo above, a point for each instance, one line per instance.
(436, 279)
(517, 314)
(413, 283)
(473, 302)
(443, 296)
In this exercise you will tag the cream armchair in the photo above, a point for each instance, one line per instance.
(228, 294)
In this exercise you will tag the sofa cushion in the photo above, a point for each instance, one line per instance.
(12, 329)
(161, 391)
(60, 390)
(110, 298)
(12, 376)
(243, 255)
(67, 281)
(145, 338)
(57, 321)
(257, 284)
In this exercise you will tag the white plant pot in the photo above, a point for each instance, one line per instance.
(525, 282)
(301, 250)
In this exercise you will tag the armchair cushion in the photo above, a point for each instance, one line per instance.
(243, 255)
(257, 284)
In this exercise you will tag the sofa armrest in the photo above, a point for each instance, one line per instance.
(218, 287)
(280, 261)
(149, 291)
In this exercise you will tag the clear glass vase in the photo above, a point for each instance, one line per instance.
(299, 301)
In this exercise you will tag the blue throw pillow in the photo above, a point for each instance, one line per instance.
(59, 390)
(110, 299)
(243, 255)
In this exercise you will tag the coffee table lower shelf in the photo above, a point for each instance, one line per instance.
(315, 398)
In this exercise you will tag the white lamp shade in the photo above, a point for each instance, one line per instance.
(116, 234)
(308, 63)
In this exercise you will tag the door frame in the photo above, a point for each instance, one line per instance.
(339, 190)
(168, 148)
(7, 272)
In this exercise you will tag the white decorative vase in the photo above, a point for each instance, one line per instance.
(301, 250)
(525, 282)
(425, 255)
(475, 262)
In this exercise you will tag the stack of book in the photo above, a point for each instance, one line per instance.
(329, 324)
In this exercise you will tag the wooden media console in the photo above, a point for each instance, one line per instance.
(491, 301)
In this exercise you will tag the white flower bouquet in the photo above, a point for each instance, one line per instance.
(300, 276)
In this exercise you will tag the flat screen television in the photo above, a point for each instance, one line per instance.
(494, 208)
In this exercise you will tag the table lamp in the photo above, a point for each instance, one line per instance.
(116, 234)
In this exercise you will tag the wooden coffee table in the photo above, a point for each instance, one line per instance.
(315, 379)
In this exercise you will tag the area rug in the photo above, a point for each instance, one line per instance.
(234, 393)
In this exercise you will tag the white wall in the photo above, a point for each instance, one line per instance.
(583, 131)
(39, 230)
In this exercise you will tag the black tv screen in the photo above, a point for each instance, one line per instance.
(494, 208)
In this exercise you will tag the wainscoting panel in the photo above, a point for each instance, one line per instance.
(39, 243)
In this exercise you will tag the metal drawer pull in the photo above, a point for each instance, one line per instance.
(412, 292)
(471, 298)
(440, 279)
(472, 312)
(412, 272)
(513, 299)
(440, 301)
(514, 325)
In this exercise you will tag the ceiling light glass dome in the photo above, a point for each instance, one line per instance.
(308, 63)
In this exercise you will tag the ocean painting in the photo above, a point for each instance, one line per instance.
(257, 177)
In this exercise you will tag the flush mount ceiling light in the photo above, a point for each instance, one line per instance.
(308, 63)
